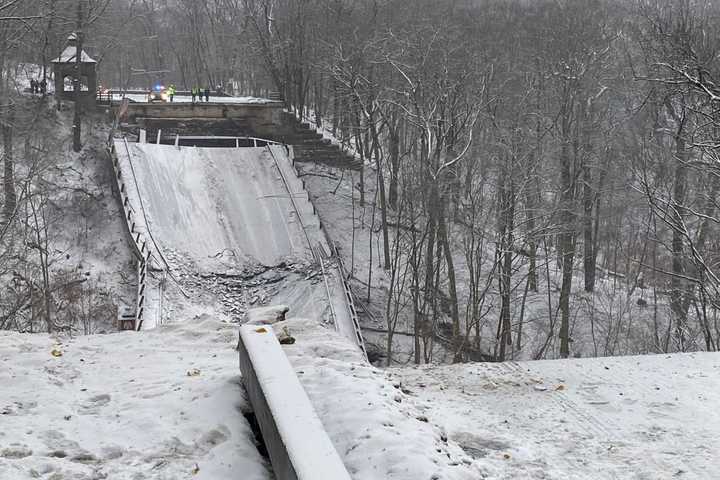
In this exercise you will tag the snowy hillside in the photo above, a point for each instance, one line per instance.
(645, 417)
(68, 224)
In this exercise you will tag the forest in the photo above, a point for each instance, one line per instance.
(543, 175)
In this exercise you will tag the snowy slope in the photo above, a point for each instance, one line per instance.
(126, 406)
(379, 432)
(220, 207)
(646, 417)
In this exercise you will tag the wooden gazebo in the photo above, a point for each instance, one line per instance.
(64, 68)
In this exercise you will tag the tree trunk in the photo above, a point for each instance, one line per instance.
(9, 164)
(588, 202)
(531, 203)
(443, 234)
(507, 213)
(394, 156)
(588, 244)
(429, 283)
(566, 244)
(381, 186)
(678, 294)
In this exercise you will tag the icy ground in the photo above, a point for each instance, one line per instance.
(161, 404)
(648, 417)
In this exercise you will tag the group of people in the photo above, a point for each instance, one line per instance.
(38, 86)
(198, 92)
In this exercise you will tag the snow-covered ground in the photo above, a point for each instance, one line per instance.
(643, 417)
(163, 404)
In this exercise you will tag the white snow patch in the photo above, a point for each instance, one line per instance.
(267, 315)
(150, 405)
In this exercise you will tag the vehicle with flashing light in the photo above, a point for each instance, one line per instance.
(158, 94)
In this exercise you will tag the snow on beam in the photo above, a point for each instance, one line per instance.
(296, 440)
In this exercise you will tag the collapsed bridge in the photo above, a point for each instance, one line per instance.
(219, 210)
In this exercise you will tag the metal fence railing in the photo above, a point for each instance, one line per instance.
(138, 242)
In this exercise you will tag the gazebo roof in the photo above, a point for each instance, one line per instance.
(68, 56)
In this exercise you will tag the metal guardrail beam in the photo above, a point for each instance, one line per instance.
(138, 243)
(351, 303)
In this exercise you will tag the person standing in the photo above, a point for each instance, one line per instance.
(193, 91)
(207, 94)
(32, 85)
(43, 86)
(171, 91)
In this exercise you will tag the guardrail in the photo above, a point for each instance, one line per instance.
(296, 441)
(349, 295)
(103, 97)
(138, 242)
(137, 236)
(254, 140)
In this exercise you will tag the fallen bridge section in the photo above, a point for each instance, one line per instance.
(296, 441)
(225, 209)
(219, 207)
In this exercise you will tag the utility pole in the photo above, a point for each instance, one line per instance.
(77, 146)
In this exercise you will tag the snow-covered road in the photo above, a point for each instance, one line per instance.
(219, 207)
(162, 404)
(647, 417)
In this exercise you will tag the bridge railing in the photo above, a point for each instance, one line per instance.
(350, 298)
(103, 97)
(255, 141)
(318, 256)
(138, 242)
